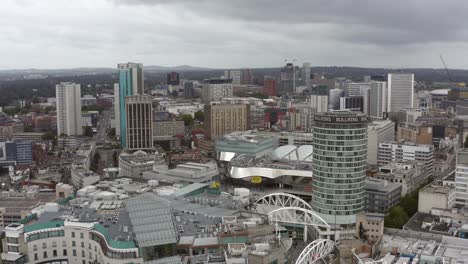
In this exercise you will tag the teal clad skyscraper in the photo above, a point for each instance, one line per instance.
(130, 83)
(339, 166)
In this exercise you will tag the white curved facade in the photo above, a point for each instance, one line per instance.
(293, 153)
(271, 173)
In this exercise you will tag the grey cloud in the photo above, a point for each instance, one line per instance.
(395, 22)
(234, 33)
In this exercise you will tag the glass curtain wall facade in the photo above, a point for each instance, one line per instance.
(339, 165)
(130, 83)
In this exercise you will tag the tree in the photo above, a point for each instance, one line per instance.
(396, 217)
(362, 232)
(95, 164)
(188, 119)
(466, 141)
(35, 99)
(88, 131)
(28, 129)
(115, 159)
(111, 133)
(49, 135)
(199, 115)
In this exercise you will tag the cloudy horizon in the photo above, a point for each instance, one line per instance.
(53, 34)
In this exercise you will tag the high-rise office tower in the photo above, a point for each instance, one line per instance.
(216, 89)
(269, 86)
(117, 110)
(339, 166)
(355, 89)
(334, 99)
(461, 179)
(400, 91)
(131, 82)
(353, 103)
(246, 76)
(68, 109)
(306, 74)
(188, 90)
(319, 103)
(221, 119)
(234, 75)
(319, 99)
(378, 103)
(173, 78)
(139, 122)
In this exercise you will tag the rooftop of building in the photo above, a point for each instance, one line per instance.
(437, 189)
(15, 202)
(295, 162)
(140, 157)
(217, 81)
(407, 143)
(142, 217)
(430, 247)
(250, 137)
(377, 185)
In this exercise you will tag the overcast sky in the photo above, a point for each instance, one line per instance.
(233, 33)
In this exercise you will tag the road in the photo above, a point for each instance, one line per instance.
(103, 127)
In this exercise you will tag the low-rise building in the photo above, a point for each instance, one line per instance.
(407, 151)
(248, 142)
(134, 164)
(444, 162)
(436, 196)
(379, 131)
(15, 206)
(82, 176)
(168, 128)
(370, 226)
(187, 173)
(381, 195)
(409, 174)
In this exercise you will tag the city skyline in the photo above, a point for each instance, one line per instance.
(244, 34)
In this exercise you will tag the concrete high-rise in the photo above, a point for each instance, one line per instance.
(246, 76)
(355, 89)
(269, 86)
(379, 131)
(139, 122)
(189, 91)
(116, 125)
(173, 78)
(306, 74)
(131, 82)
(68, 109)
(319, 103)
(378, 103)
(400, 91)
(221, 119)
(216, 89)
(339, 166)
(234, 75)
(461, 179)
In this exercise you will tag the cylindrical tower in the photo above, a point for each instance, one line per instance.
(339, 165)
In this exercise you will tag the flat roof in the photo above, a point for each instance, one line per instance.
(150, 207)
(189, 189)
(43, 225)
(168, 260)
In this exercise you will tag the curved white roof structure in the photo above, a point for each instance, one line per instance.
(293, 153)
(439, 92)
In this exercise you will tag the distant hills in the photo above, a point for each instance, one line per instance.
(187, 71)
(99, 70)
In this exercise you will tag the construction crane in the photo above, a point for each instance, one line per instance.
(460, 84)
(445, 66)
